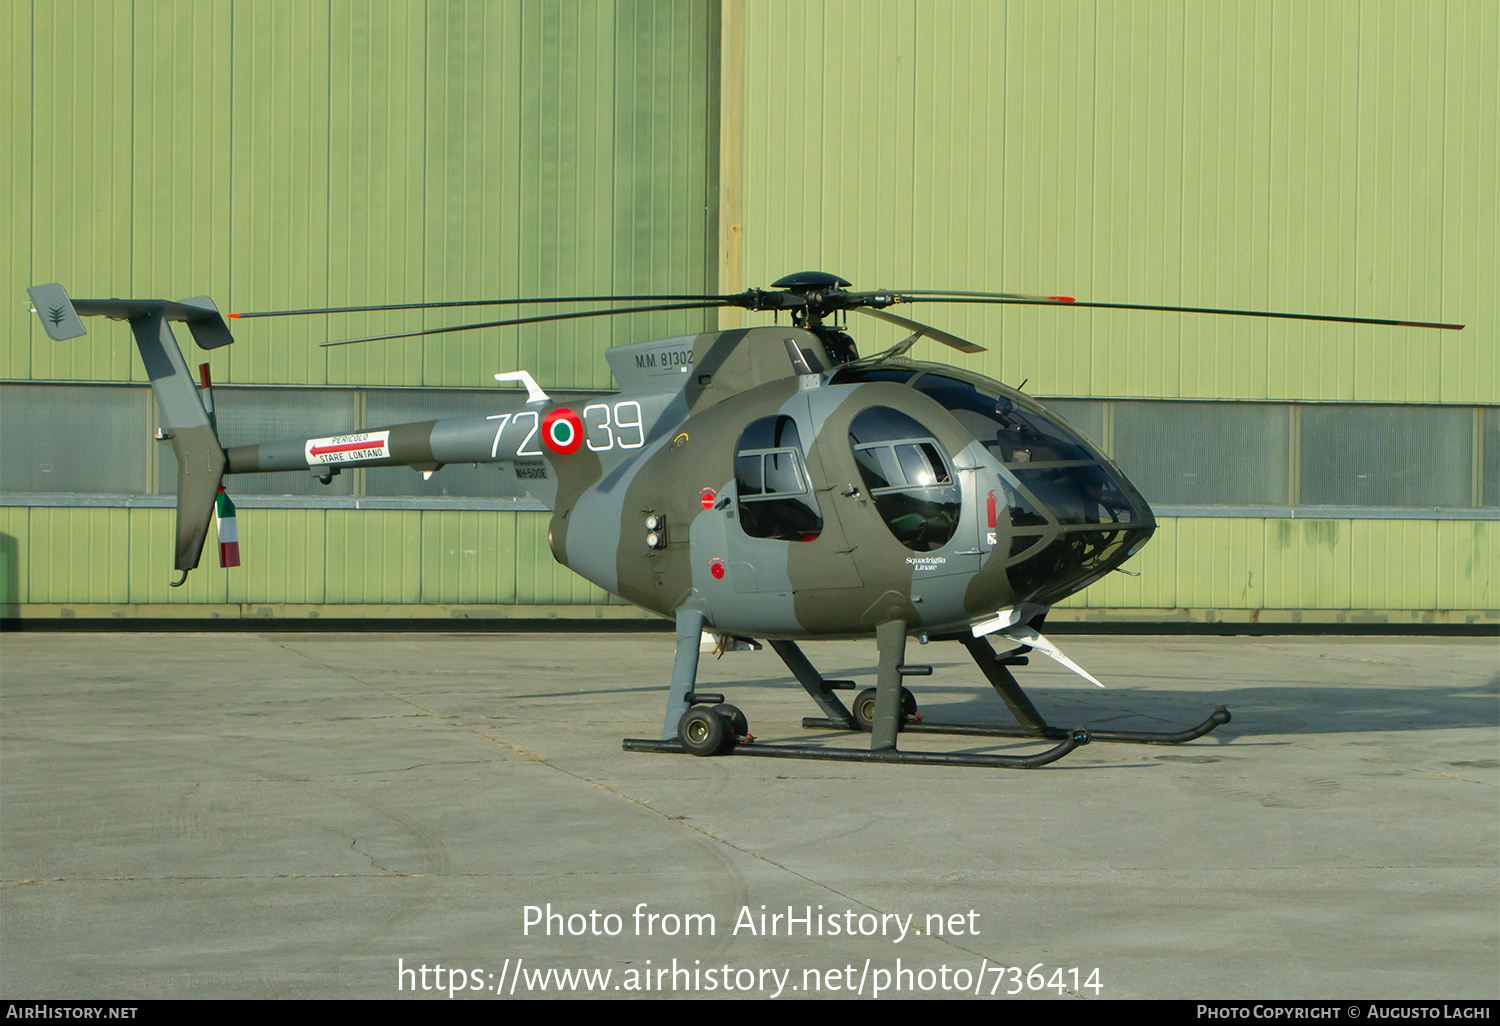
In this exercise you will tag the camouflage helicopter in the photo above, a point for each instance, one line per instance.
(765, 482)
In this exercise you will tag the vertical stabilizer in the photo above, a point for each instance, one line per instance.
(184, 421)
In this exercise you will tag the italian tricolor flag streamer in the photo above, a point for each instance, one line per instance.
(229, 533)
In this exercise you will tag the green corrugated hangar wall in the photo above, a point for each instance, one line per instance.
(1332, 157)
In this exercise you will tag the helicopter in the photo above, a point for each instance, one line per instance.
(755, 483)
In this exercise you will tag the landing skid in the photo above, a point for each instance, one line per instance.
(888, 755)
(1217, 718)
(701, 724)
(1030, 723)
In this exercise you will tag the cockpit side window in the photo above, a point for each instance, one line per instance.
(907, 476)
(776, 500)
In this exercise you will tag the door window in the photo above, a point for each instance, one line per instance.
(776, 500)
(907, 476)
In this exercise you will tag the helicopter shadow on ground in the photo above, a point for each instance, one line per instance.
(959, 694)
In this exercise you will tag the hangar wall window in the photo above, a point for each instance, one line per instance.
(1403, 456)
(1489, 466)
(94, 439)
(76, 438)
(1198, 453)
(1267, 454)
(776, 500)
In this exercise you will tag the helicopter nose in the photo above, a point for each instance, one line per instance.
(1093, 493)
(1089, 520)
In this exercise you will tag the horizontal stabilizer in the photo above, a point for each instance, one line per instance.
(60, 315)
(55, 309)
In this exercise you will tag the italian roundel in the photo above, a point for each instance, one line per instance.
(563, 431)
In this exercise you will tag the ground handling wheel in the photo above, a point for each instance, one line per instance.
(703, 731)
(738, 726)
(864, 708)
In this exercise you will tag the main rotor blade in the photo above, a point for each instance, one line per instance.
(963, 345)
(525, 320)
(476, 302)
(900, 293)
(1184, 309)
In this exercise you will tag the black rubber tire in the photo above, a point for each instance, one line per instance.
(738, 725)
(702, 731)
(864, 707)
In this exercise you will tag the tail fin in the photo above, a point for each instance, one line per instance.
(184, 421)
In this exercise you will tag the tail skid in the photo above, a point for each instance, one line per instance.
(184, 420)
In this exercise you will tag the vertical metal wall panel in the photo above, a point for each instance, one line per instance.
(1173, 151)
(337, 557)
(828, 179)
(462, 559)
(15, 574)
(472, 242)
(285, 555)
(534, 561)
(1399, 206)
(1332, 564)
(1471, 208)
(373, 556)
(179, 213)
(664, 147)
(957, 235)
(441, 558)
(279, 248)
(569, 154)
(376, 187)
(567, 151)
(1468, 565)
(1050, 66)
(1314, 101)
(16, 193)
(1138, 178)
(80, 180)
(1337, 157)
(1298, 554)
(69, 555)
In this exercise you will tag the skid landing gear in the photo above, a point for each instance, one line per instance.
(1030, 723)
(1080, 737)
(697, 724)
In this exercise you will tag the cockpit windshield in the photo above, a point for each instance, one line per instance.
(1012, 427)
(1073, 516)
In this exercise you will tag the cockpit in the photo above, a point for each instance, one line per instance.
(1073, 516)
